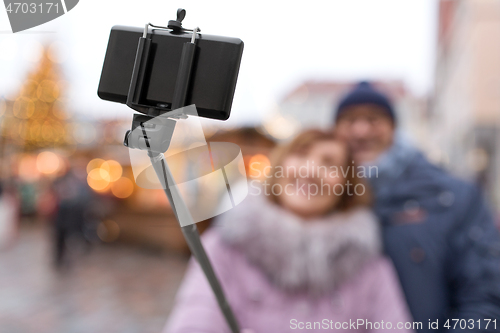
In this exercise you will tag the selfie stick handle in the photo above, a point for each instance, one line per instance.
(181, 211)
(192, 237)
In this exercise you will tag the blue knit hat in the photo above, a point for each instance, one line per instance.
(365, 93)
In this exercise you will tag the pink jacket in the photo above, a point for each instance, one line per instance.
(372, 296)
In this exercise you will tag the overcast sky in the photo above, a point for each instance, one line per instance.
(285, 44)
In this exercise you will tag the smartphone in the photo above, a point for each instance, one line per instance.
(213, 77)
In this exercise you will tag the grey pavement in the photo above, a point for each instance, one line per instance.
(112, 288)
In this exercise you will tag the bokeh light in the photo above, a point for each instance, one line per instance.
(104, 175)
(113, 169)
(122, 188)
(98, 180)
(48, 91)
(23, 108)
(281, 127)
(48, 163)
(95, 163)
(257, 165)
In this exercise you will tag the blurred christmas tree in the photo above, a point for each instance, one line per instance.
(35, 118)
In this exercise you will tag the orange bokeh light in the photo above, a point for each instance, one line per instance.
(48, 163)
(122, 188)
(113, 169)
(96, 180)
(95, 163)
(257, 165)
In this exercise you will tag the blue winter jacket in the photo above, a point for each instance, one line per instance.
(443, 241)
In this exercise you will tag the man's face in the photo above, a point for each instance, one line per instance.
(368, 130)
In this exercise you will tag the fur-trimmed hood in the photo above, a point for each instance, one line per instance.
(314, 255)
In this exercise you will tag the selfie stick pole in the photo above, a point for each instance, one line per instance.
(156, 142)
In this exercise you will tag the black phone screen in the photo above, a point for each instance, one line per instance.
(213, 76)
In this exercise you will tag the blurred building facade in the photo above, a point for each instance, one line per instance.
(312, 104)
(465, 113)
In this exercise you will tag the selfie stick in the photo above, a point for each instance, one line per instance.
(156, 132)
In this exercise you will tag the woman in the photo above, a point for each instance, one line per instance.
(302, 254)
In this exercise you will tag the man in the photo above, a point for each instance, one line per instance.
(437, 229)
